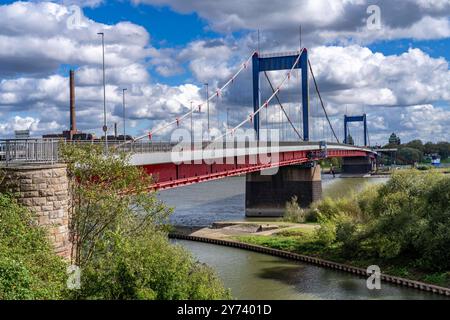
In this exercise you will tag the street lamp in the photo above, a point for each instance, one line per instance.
(105, 128)
(207, 104)
(123, 95)
(192, 132)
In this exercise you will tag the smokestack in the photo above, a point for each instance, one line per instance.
(115, 130)
(73, 124)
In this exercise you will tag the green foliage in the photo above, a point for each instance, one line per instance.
(406, 218)
(121, 245)
(293, 212)
(403, 225)
(147, 266)
(409, 155)
(107, 194)
(331, 209)
(415, 150)
(28, 267)
(346, 230)
(326, 233)
(424, 167)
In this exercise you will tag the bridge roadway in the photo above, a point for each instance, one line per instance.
(182, 165)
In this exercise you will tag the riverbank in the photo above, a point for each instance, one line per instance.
(282, 239)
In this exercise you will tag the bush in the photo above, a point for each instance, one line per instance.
(406, 219)
(29, 269)
(332, 209)
(326, 233)
(293, 212)
(147, 266)
(346, 235)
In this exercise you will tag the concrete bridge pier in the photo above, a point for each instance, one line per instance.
(266, 195)
(358, 165)
(44, 190)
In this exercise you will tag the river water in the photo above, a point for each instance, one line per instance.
(223, 200)
(252, 275)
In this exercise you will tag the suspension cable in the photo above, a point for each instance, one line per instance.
(281, 106)
(321, 102)
(251, 116)
(217, 94)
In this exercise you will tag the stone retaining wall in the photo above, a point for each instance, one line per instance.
(44, 189)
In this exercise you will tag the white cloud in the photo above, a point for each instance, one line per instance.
(399, 92)
(323, 21)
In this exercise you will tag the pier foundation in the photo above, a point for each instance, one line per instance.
(267, 195)
(44, 190)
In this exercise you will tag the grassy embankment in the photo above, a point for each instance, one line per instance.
(402, 226)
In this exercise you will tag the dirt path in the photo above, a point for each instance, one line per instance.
(224, 230)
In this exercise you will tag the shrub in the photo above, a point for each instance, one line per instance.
(332, 209)
(29, 269)
(293, 212)
(326, 233)
(147, 266)
(347, 236)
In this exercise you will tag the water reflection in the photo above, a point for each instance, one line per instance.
(252, 275)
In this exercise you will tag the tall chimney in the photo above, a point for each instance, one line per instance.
(73, 123)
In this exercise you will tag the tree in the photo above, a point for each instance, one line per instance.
(394, 140)
(409, 155)
(350, 140)
(430, 148)
(119, 231)
(443, 148)
(415, 144)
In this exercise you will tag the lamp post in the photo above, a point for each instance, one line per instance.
(192, 132)
(105, 128)
(207, 104)
(123, 96)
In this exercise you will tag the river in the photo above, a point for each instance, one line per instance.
(224, 200)
(252, 275)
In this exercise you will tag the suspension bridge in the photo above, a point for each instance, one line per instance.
(276, 169)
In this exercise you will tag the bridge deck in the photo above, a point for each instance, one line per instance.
(182, 167)
(184, 153)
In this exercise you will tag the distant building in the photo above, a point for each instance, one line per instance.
(350, 140)
(393, 139)
(22, 134)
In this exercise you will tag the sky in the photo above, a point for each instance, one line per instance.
(390, 61)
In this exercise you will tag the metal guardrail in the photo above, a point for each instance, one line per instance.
(47, 151)
(29, 151)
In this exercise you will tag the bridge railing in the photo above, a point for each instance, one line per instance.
(29, 151)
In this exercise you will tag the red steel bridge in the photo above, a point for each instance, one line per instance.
(172, 167)
(197, 166)
(292, 164)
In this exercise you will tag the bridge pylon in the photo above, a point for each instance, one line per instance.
(348, 119)
(281, 61)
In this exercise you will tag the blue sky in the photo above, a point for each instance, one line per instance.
(164, 50)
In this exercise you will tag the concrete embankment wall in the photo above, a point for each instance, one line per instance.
(316, 261)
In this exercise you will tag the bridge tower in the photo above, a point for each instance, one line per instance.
(357, 165)
(271, 62)
(348, 119)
